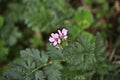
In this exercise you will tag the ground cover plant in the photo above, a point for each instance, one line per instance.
(59, 40)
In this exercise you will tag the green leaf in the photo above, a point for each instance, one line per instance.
(3, 51)
(54, 53)
(43, 15)
(117, 62)
(89, 35)
(11, 75)
(104, 68)
(84, 54)
(80, 55)
(52, 71)
(100, 48)
(83, 18)
(39, 75)
(10, 37)
(34, 55)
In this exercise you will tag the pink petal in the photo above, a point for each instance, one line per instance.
(64, 31)
(55, 43)
(65, 37)
(51, 39)
(59, 41)
(56, 35)
(60, 33)
(52, 34)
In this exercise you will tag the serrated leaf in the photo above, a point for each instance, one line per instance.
(100, 48)
(11, 75)
(43, 15)
(10, 37)
(54, 53)
(34, 55)
(83, 53)
(53, 71)
(39, 75)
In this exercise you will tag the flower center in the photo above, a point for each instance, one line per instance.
(56, 39)
(62, 34)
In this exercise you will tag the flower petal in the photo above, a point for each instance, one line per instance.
(59, 41)
(52, 34)
(64, 31)
(60, 33)
(65, 37)
(51, 39)
(55, 43)
(56, 35)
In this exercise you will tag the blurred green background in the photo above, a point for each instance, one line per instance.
(28, 23)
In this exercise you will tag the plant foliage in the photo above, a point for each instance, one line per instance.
(70, 63)
(41, 13)
(28, 23)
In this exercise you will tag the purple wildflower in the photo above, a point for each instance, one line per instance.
(54, 39)
(63, 34)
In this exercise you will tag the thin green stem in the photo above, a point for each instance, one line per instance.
(34, 70)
